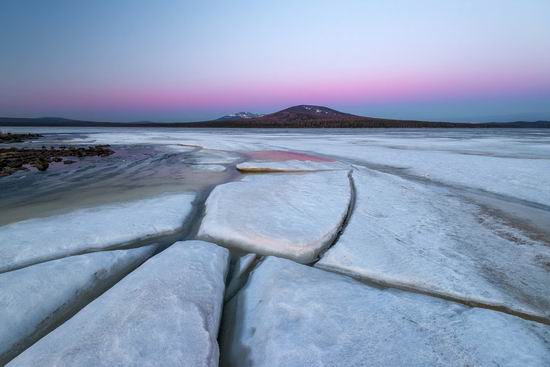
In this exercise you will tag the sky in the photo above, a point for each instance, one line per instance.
(178, 60)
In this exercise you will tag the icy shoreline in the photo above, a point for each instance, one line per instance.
(384, 248)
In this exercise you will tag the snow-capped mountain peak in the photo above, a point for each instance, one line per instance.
(240, 116)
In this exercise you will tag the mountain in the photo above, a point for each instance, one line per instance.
(239, 116)
(309, 112)
(301, 116)
(311, 116)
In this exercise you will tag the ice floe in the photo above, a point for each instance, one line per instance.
(290, 314)
(165, 313)
(209, 167)
(206, 156)
(427, 238)
(107, 226)
(289, 215)
(285, 155)
(36, 298)
(289, 166)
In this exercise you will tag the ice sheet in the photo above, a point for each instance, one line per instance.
(425, 238)
(34, 299)
(165, 313)
(294, 315)
(288, 215)
(289, 166)
(107, 226)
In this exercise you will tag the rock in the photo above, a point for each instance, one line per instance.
(103, 227)
(16, 163)
(68, 161)
(17, 138)
(165, 313)
(294, 216)
(294, 315)
(41, 164)
(12, 159)
(419, 237)
(37, 298)
(6, 171)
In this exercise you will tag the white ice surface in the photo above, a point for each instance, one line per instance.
(512, 163)
(35, 298)
(107, 226)
(423, 237)
(209, 167)
(515, 177)
(289, 166)
(288, 215)
(507, 164)
(207, 156)
(165, 313)
(294, 315)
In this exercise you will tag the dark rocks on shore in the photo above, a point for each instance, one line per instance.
(17, 138)
(14, 159)
(41, 164)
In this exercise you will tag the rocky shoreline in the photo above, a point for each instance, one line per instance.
(15, 159)
(17, 138)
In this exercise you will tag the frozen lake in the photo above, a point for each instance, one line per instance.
(449, 227)
(508, 169)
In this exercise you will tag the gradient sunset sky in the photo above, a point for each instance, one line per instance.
(176, 60)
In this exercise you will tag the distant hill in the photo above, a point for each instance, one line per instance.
(305, 112)
(302, 116)
(310, 116)
(42, 121)
(60, 121)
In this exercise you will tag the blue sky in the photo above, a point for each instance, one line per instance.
(178, 60)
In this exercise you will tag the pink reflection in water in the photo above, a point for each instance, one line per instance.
(281, 155)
